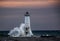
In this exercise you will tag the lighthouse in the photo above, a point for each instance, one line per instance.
(24, 30)
(27, 29)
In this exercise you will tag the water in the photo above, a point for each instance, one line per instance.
(38, 33)
(49, 32)
(21, 31)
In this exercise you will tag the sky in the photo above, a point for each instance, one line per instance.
(44, 14)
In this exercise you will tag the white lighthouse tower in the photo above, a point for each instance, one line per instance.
(24, 30)
(27, 29)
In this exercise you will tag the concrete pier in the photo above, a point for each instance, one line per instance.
(30, 39)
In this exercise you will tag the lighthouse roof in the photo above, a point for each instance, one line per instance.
(27, 14)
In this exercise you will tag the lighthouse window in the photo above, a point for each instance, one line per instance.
(27, 28)
(26, 33)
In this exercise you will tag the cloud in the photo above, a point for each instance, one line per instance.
(24, 4)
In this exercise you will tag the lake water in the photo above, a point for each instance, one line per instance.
(38, 33)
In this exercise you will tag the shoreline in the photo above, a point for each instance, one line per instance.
(44, 38)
